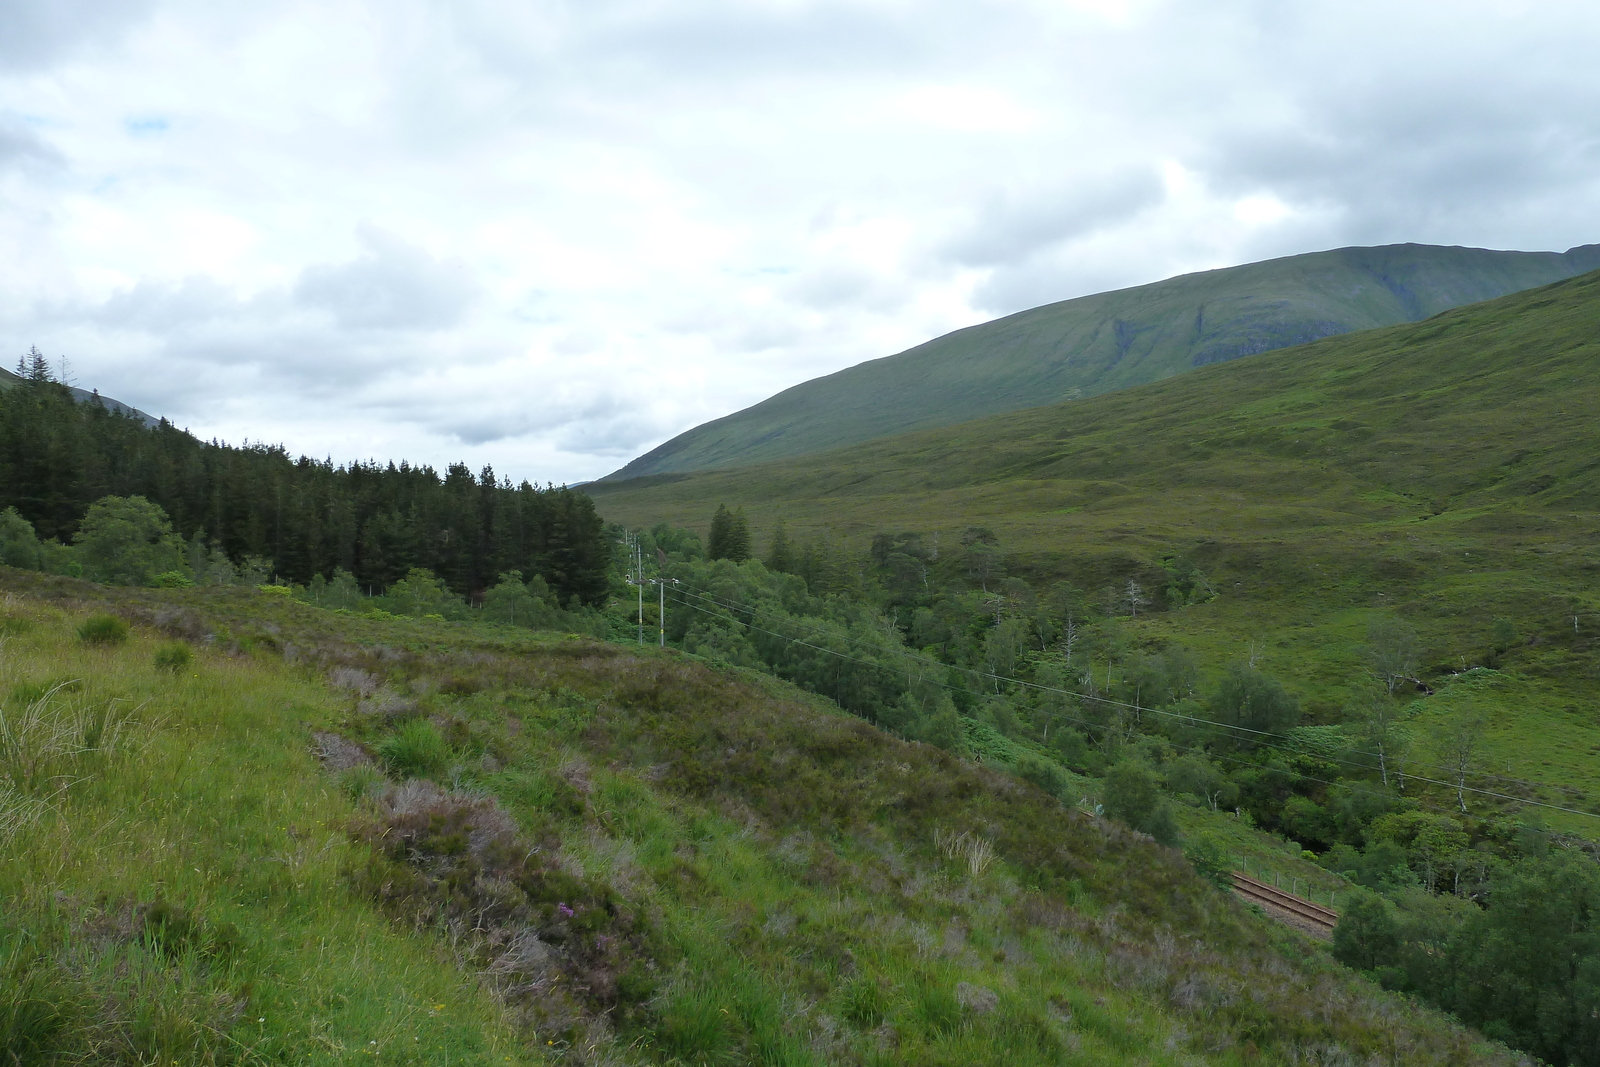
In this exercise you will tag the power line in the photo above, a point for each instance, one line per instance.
(1107, 729)
(1141, 710)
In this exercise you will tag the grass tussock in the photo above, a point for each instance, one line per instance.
(103, 630)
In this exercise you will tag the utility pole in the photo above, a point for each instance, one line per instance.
(661, 610)
(635, 574)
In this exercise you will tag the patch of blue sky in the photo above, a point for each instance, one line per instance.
(145, 126)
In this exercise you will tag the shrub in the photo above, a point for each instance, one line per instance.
(1504, 634)
(417, 749)
(1209, 861)
(174, 658)
(1366, 937)
(1070, 748)
(172, 580)
(943, 728)
(1132, 795)
(18, 545)
(1044, 774)
(103, 630)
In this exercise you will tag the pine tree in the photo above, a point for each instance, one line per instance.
(738, 537)
(780, 557)
(721, 529)
(38, 367)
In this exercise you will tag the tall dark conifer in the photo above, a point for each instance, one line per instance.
(780, 556)
(717, 540)
(738, 537)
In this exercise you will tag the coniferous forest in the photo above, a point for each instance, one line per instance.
(303, 517)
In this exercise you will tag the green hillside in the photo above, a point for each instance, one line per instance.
(1447, 472)
(1110, 341)
(255, 831)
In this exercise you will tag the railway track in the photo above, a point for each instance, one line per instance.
(1314, 919)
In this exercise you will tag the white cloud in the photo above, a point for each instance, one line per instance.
(395, 286)
(547, 235)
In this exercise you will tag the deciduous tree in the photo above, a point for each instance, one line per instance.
(128, 541)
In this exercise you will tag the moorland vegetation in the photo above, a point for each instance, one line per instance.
(956, 793)
(1346, 590)
(324, 834)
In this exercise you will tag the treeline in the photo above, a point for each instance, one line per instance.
(128, 541)
(302, 517)
(941, 644)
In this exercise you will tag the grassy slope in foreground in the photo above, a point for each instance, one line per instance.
(1448, 471)
(589, 853)
(1098, 344)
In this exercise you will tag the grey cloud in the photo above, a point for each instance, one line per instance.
(39, 32)
(163, 308)
(840, 286)
(395, 286)
(1436, 155)
(1012, 227)
(575, 343)
(596, 420)
(625, 434)
(634, 41)
(181, 349)
(20, 146)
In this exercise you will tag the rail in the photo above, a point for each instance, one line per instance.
(1311, 917)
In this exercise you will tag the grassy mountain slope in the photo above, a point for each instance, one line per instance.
(1447, 471)
(1098, 344)
(85, 396)
(535, 849)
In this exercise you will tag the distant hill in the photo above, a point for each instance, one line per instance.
(1110, 341)
(85, 396)
(1446, 471)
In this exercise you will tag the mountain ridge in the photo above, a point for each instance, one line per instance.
(1108, 341)
(86, 396)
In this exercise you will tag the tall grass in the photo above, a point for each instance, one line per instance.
(48, 742)
(974, 852)
(223, 820)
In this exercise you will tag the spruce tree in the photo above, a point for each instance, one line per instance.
(38, 367)
(721, 528)
(780, 557)
(738, 538)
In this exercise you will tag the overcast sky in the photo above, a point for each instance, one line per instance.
(550, 235)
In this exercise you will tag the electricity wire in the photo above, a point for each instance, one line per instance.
(1106, 729)
(1140, 710)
